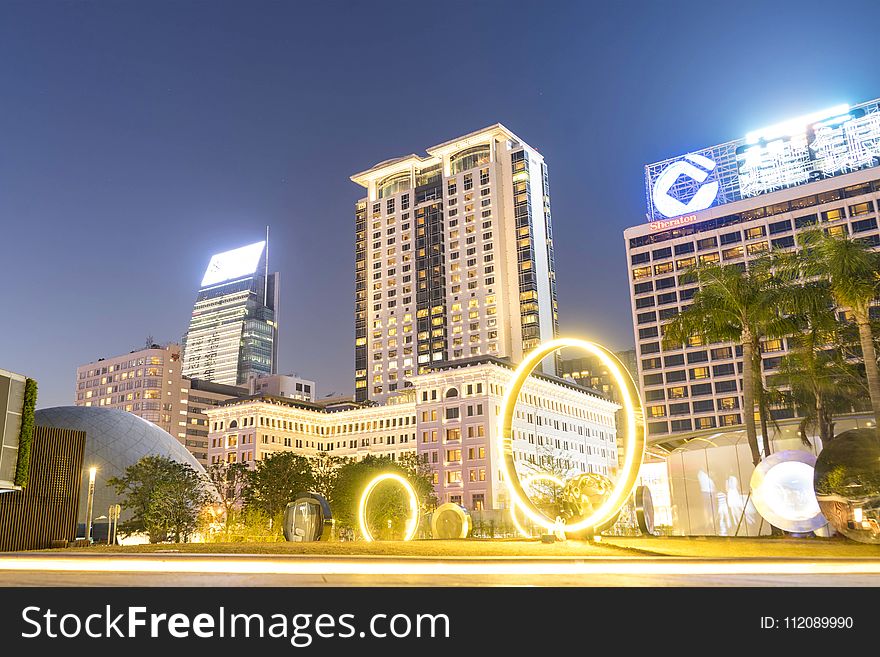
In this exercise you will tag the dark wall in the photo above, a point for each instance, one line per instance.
(46, 509)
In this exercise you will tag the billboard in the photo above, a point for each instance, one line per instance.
(819, 145)
(233, 264)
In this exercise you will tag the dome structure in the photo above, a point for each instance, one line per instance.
(114, 440)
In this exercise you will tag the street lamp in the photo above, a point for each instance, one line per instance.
(91, 500)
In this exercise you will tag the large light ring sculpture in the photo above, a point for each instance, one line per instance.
(633, 443)
(412, 521)
(540, 476)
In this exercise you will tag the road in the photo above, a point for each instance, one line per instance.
(74, 569)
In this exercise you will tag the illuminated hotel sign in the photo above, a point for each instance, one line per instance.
(820, 145)
(233, 264)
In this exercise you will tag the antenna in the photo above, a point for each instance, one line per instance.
(266, 284)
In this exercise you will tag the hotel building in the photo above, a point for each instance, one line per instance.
(731, 204)
(448, 415)
(148, 383)
(233, 333)
(283, 385)
(453, 259)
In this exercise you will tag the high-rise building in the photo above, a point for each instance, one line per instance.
(233, 333)
(148, 383)
(731, 204)
(453, 259)
(12, 411)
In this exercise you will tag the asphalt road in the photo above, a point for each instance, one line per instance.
(54, 569)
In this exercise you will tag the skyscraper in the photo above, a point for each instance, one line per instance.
(233, 333)
(453, 259)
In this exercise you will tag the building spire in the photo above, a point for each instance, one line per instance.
(266, 284)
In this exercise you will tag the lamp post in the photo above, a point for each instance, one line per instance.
(91, 500)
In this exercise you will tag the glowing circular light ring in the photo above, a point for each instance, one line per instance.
(540, 476)
(412, 522)
(460, 512)
(634, 439)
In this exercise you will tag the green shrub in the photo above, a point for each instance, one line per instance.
(26, 435)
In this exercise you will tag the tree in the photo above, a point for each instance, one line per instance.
(389, 504)
(165, 497)
(326, 470)
(276, 481)
(230, 480)
(852, 269)
(734, 304)
(549, 461)
(817, 378)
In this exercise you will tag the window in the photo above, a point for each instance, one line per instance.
(728, 403)
(806, 220)
(732, 253)
(707, 243)
(700, 389)
(660, 254)
(861, 208)
(685, 263)
(678, 392)
(657, 411)
(731, 238)
(681, 425)
(668, 297)
(864, 225)
(757, 248)
(725, 369)
(699, 373)
(673, 360)
(641, 272)
(725, 386)
(663, 268)
(786, 242)
(681, 249)
(641, 288)
(704, 406)
(780, 227)
(709, 258)
(722, 353)
(756, 232)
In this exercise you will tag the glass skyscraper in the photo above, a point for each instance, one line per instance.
(233, 333)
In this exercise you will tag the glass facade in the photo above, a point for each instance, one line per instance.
(233, 333)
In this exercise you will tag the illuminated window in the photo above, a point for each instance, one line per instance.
(678, 392)
(657, 411)
(699, 373)
(757, 248)
(709, 258)
(733, 253)
(663, 268)
(756, 232)
(638, 272)
(685, 263)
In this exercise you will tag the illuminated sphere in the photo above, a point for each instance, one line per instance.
(782, 491)
(847, 484)
(114, 440)
(585, 493)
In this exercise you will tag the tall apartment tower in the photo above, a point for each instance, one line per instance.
(233, 333)
(453, 259)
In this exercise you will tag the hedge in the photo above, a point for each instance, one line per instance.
(26, 435)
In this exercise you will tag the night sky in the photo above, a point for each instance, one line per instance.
(136, 139)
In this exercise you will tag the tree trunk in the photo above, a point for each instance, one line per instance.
(866, 338)
(749, 398)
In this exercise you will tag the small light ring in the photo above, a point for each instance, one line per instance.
(412, 521)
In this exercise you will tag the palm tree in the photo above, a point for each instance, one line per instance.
(852, 269)
(815, 377)
(735, 305)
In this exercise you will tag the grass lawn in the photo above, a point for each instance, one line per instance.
(708, 547)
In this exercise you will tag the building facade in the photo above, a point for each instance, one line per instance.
(149, 383)
(589, 372)
(731, 204)
(448, 416)
(233, 333)
(292, 386)
(453, 259)
(12, 394)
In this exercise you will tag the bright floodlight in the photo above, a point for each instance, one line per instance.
(233, 264)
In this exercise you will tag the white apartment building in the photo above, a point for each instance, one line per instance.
(292, 386)
(730, 204)
(148, 383)
(453, 259)
(449, 416)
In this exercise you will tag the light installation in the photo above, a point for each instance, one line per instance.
(819, 145)
(633, 443)
(540, 476)
(412, 521)
(782, 491)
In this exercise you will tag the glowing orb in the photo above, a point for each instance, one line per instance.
(412, 521)
(633, 444)
(782, 491)
(540, 476)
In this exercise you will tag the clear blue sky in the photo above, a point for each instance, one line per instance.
(136, 139)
